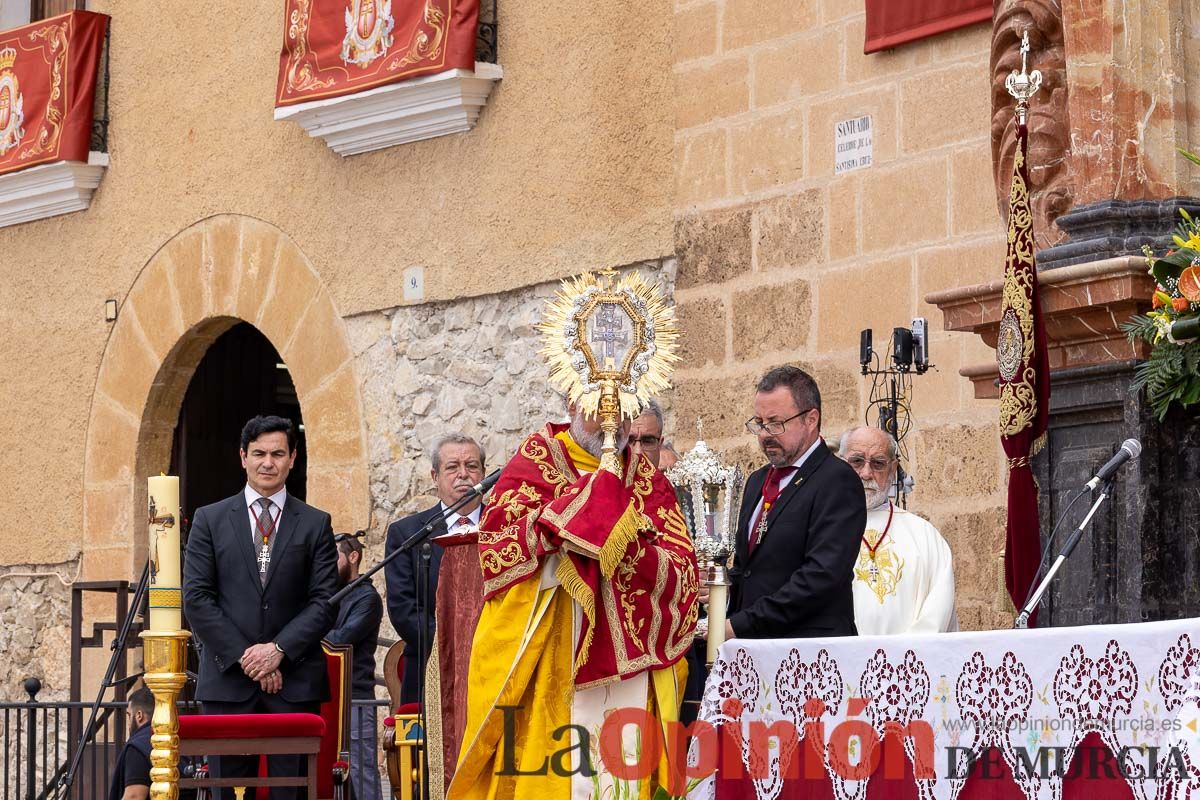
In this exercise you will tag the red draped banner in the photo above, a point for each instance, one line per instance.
(338, 47)
(894, 22)
(1024, 382)
(47, 89)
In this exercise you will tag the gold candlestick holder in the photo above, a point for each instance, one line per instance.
(165, 657)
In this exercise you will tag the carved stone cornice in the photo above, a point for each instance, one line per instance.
(1083, 307)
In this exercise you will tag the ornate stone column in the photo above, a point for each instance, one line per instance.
(1121, 92)
(1133, 99)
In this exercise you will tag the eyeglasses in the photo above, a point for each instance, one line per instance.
(355, 537)
(757, 426)
(645, 441)
(877, 464)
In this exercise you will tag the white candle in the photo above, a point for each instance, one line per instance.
(717, 595)
(165, 578)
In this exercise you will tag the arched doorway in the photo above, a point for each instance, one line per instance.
(212, 278)
(241, 375)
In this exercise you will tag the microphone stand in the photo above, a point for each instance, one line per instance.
(478, 490)
(1031, 605)
(421, 537)
(424, 647)
(118, 648)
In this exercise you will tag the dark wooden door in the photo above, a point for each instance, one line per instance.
(240, 376)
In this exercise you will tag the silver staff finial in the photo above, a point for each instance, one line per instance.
(1024, 84)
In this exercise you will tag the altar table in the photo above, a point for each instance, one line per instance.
(1101, 712)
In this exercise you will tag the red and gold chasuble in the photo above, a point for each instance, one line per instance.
(625, 554)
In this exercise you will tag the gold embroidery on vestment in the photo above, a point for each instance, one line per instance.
(882, 571)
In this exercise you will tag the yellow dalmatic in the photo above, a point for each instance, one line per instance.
(591, 595)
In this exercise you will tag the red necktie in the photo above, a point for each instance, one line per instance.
(462, 521)
(770, 493)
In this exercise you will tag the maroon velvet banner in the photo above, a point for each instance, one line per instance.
(339, 47)
(1024, 382)
(459, 603)
(47, 89)
(894, 22)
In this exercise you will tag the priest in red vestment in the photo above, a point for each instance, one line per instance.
(590, 589)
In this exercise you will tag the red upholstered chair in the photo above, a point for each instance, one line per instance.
(333, 760)
(403, 739)
(393, 671)
(323, 739)
(252, 734)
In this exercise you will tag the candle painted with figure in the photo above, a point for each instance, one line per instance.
(717, 600)
(165, 577)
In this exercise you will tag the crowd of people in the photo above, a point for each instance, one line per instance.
(822, 549)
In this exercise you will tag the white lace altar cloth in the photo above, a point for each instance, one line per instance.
(1032, 695)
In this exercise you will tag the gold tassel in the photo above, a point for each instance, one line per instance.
(624, 532)
(581, 593)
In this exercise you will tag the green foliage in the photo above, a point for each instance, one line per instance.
(1172, 372)
(1169, 268)
(661, 792)
(1140, 326)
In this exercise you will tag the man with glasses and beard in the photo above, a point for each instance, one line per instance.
(798, 528)
(904, 577)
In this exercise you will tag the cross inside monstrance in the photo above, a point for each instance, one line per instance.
(610, 328)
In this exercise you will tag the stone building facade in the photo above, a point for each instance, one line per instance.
(691, 139)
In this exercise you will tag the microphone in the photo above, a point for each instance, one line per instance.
(478, 490)
(485, 485)
(1130, 448)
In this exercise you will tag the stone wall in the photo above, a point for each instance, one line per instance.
(781, 260)
(469, 365)
(570, 163)
(35, 632)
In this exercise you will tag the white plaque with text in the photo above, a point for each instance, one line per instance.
(852, 145)
(414, 284)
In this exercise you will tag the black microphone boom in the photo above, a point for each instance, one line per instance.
(478, 490)
(1130, 449)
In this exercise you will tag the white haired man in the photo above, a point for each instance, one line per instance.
(458, 463)
(904, 576)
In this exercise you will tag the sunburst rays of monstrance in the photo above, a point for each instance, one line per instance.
(610, 343)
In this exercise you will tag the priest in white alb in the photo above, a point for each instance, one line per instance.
(904, 576)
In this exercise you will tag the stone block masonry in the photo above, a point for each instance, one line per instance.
(469, 365)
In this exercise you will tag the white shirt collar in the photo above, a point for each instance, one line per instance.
(787, 479)
(812, 449)
(279, 498)
(473, 516)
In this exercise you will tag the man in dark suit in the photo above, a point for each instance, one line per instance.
(458, 464)
(260, 569)
(801, 520)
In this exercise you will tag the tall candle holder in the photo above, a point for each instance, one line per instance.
(165, 657)
(710, 494)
